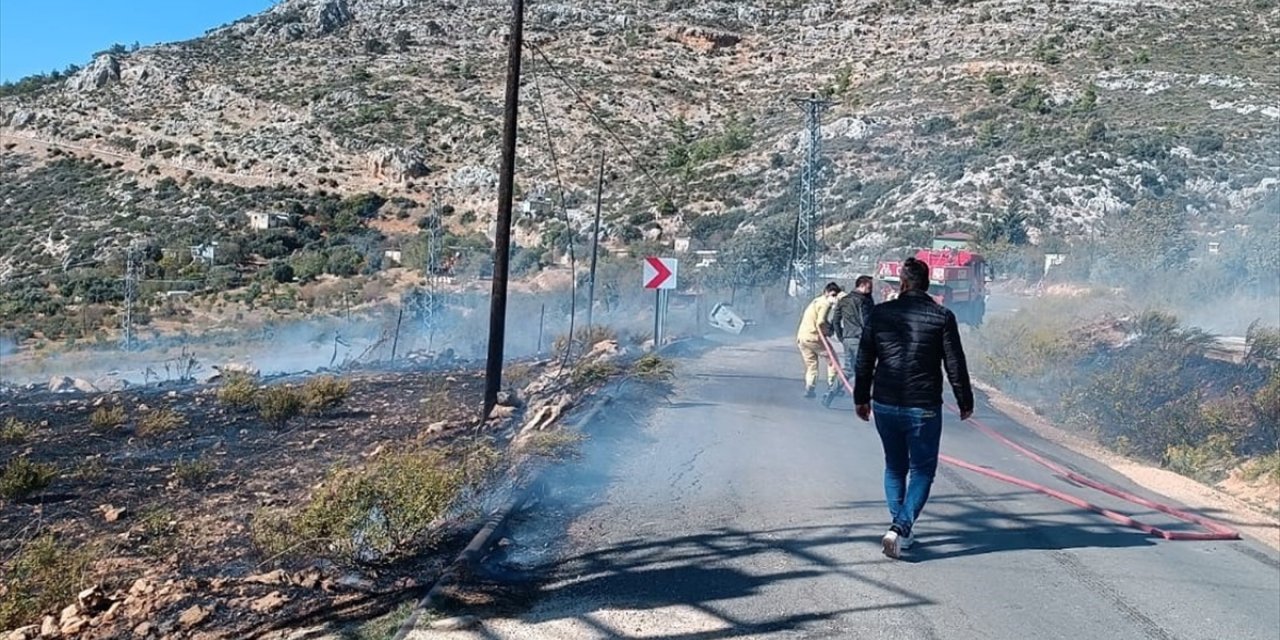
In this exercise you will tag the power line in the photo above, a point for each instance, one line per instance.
(564, 211)
(600, 121)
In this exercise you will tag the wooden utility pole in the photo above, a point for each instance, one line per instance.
(502, 239)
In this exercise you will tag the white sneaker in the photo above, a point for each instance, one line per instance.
(907, 542)
(894, 543)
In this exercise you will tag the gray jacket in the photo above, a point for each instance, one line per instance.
(849, 315)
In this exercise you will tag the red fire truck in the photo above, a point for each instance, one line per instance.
(958, 277)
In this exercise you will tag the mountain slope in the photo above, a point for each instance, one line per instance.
(1057, 115)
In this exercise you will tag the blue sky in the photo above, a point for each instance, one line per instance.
(37, 36)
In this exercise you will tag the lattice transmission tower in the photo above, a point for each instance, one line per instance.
(432, 298)
(132, 264)
(803, 279)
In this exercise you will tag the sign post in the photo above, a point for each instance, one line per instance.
(659, 275)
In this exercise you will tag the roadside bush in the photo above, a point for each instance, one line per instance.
(1264, 344)
(588, 374)
(367, 514)
(1265, 468)
(238, 391)
(653, 368)
(21, 478)
(321, 394)
(584, 339)
(105, 418)
(1207, 462)
(1142, 386)
(159, 422)
(279, 405)
(557, 444)
(42, 577)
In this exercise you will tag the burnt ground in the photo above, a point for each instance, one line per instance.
(189, 495)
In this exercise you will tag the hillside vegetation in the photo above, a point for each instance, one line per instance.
(1047, 125)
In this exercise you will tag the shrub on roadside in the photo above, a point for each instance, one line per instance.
(589, 374)
(369, 513)
(1142, 386)
(1265, 468)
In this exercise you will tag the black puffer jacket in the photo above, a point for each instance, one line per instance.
(907, 343)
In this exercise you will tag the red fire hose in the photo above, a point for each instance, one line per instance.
(1216, 531)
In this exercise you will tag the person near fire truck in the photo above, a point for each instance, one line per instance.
(814, 327)
(847, 317)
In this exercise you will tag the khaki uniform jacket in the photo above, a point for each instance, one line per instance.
(814, 320)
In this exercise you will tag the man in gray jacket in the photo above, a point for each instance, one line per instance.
(848, 316)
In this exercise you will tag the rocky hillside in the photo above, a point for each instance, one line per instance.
(1053, 117)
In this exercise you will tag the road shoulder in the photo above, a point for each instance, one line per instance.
(1198, 496)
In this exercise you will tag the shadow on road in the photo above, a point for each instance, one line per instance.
(701, 572)
(957, 526)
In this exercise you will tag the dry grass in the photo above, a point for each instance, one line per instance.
(374, 512)
(557, 444)
(43, 576)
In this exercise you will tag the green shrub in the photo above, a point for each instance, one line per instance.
(237, 391)
(653, 368)
(21, 478)
(1264, 468)
(16, 431)
(193, 472)
(159, 422)
(368, 513)
(105, 418)
(279, 405)
(1207, 462)
(588, 374)
(321, 394)
(41, 578)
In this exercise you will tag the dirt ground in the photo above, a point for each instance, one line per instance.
(165, 518)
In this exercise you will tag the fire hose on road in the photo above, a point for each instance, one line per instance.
(1215, 531)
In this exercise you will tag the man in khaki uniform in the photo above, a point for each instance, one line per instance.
(813, 326)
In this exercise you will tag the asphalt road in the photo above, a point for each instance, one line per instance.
(740, 509)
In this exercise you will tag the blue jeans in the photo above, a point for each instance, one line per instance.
(911, 437)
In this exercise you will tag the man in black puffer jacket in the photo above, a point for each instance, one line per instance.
(904, 348)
